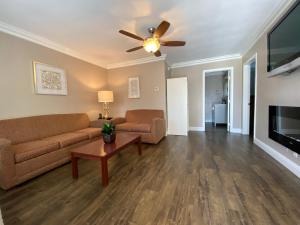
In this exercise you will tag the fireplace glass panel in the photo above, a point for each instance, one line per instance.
(284, 126)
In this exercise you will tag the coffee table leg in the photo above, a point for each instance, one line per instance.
(74, 167)
(104, 172)
(139, 144)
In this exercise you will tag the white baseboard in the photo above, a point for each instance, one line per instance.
(286, 162)
(244, 132)
(236, 130)
(197, 129)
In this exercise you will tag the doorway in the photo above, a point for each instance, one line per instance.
(249, 96)
(217, 99)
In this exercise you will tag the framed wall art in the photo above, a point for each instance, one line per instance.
(133, 87)
(49, 80)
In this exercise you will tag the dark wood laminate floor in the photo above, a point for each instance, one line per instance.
(204, 179)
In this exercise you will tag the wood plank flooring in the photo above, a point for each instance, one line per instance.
(204, 179)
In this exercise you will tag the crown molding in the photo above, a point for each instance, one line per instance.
(23, 34)
(277, 13)
(205, 61)
(137, 62)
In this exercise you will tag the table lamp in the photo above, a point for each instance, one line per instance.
(105, 97)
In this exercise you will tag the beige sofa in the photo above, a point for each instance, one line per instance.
(150, 124)
(33, 145)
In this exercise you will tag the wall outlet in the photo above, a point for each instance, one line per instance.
(295, 154)
(156, 89)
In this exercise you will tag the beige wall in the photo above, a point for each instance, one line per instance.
(151, 75)
(17, 98)
(279, 90)
(195, 90)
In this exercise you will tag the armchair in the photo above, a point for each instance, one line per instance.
(150, 124)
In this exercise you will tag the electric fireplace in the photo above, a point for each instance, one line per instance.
(284, 126)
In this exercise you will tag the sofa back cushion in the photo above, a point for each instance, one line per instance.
(143, 115)
(36, 127)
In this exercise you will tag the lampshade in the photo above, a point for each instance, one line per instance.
(151, 44)
(105, 96)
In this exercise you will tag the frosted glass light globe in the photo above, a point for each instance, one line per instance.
(151, 45)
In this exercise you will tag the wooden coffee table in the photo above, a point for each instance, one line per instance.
(98, 150)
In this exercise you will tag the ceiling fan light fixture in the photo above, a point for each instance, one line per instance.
(151, 44)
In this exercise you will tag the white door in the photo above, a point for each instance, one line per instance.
(177, 106)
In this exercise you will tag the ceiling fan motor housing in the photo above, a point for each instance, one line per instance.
(151, 30)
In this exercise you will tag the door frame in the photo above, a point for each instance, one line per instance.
(246, 95)
(230, 93)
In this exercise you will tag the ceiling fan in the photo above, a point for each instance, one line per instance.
(152, 44)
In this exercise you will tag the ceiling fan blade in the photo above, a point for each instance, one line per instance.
(131, 35)
(161, 29)
(173, 43)
(134, 49)
(157, 53)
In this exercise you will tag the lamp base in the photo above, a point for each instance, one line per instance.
(106, 110)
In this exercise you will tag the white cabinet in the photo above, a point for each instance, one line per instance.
(219, 114)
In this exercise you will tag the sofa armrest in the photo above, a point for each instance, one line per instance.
(118, 120)
(7, 164)
(158, 128)
(4, 143)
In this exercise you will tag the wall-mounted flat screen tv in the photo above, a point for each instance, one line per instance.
(284, 43)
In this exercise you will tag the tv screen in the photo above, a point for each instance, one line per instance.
(284, 39)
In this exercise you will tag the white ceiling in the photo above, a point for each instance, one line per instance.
(211, 28)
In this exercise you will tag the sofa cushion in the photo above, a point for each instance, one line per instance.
(33, 128)
(29, 150)
(91, 131)
(67, 139)
(134, 127)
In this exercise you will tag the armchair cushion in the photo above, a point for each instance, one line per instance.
(33, 149)
(134, 127)
(69, 138)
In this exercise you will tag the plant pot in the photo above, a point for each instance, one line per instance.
(109, 138)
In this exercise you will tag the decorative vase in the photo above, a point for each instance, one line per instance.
(109, 138)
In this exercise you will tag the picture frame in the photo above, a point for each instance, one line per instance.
(49, 80)
(133, 87)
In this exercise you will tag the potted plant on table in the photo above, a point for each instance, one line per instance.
(108, 133)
